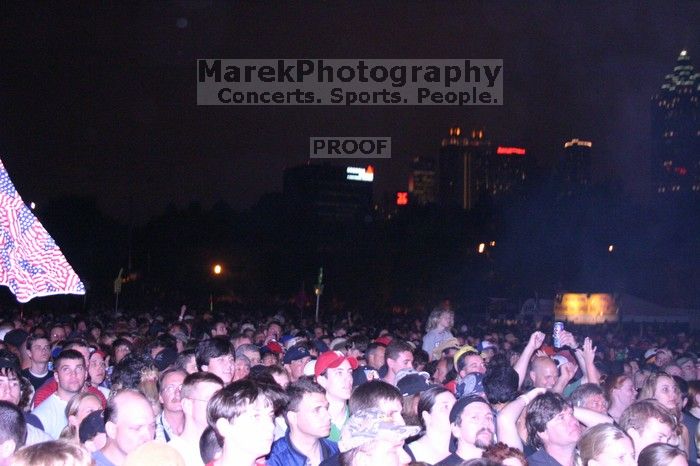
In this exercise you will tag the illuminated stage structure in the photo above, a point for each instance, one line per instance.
(599, 308)
(586, 308)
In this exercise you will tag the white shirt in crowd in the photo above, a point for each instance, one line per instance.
(52, 414)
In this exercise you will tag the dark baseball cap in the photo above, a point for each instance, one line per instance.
(462, 403)
(16, 337)
(411, 382)
(9, 360)
(165, 358)
(295, 353)
(91, 425)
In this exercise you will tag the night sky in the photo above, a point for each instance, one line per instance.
(103, 102)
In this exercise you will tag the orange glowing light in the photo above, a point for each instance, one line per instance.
(402, 198)
(510, 150)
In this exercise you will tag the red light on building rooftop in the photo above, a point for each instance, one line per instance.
(402, 198)
(510, 150)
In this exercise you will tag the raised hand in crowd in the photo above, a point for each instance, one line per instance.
(521, 366)
(585, 357)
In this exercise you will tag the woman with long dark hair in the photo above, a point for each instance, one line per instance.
(434, 412)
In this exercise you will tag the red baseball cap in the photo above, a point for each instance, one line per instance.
(275, 347)
(331, 360)
(385, 340)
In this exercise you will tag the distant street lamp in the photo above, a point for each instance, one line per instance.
(216, 270)
(611, 248)
(482, 247)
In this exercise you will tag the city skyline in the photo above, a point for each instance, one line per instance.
(101, 103)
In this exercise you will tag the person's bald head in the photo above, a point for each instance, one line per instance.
(129, 421)
(543, 372)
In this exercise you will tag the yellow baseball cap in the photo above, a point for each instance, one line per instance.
(461, 351)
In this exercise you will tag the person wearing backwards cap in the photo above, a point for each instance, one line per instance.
(473, 426)
(333, 371)
(411, 383)
(92, 431)
(369, 437)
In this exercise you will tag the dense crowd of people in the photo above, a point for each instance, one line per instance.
(248, 389)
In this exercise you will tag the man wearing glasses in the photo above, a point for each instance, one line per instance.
(196, 391)
(171, 420)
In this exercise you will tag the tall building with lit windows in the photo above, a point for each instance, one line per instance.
(574, 167)
(422, 182)
(675, 112)
(329, 192)
(471, 168)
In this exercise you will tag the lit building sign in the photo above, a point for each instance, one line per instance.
(577, 142)
(510, 150)
(402, 198)
(582, 308)
(360, 174)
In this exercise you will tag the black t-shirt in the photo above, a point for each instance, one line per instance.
(331, 460)
(452, 460)
(34, 380)
(542, 458)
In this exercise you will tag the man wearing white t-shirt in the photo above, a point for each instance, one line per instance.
(70, 374)
(196, 391)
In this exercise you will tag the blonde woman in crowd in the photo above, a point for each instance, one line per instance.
(662, 388)
(605, 444)
(438, 329)
(77, 408)
(662, 454)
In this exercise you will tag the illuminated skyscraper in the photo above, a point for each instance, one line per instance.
(574, 168)
(675, 111)
(463, 168)
(328, 192)
(471, 169)
(423, 183)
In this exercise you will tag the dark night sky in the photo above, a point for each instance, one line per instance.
(103, 102)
